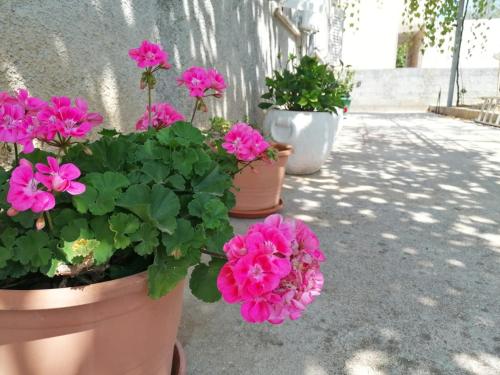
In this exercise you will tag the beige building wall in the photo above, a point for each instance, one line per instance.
(79, 48)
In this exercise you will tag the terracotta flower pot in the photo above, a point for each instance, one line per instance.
(258, 192)
(109, 328)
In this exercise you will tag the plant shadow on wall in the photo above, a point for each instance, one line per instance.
(406, 210)
(84, 56)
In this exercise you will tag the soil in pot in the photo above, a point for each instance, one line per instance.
(258, 188)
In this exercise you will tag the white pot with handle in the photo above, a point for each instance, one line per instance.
(311, 134)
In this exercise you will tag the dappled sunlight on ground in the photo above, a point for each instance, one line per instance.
(407, 211)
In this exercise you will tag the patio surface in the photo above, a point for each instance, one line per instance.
(408, 212)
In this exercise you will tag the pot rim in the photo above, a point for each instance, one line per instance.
(311, 112)
(56, 298)
(284, 149)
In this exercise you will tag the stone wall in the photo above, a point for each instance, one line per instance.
(79, 48)
(415, 89)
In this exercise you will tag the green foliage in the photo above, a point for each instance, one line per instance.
(153, 200)
(438, 20)
(203, 282)
(306, 86)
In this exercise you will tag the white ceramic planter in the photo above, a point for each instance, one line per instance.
(311, 134)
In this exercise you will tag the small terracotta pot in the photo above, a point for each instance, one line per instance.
(258, 188)
(109, 328)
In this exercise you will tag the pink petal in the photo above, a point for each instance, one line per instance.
(75, 188)
(69, 171)
(43, 202)
(53, 163)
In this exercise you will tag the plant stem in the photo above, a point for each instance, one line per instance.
(215, 255)
(149, 105)
(194, 110)
(49, 220)
(16, 153)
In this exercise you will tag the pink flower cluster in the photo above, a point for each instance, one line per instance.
(24, 191)
(60, 117)
(273, 270)
(162, 116)
(24, 118)
(150, 55)
(243, 141)
(199, 80)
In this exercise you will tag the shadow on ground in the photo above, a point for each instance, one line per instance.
(407, 210)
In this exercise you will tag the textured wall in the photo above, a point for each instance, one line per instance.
(414, 88)
(79, 48)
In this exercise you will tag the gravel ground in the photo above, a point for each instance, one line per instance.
(408, 212)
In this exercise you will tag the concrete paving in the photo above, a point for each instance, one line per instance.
(408, 212)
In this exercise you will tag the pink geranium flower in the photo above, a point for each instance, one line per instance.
(244, 142)
(235, 248)
(197, 80)
(259, 273)
(227, 284)
(24, 193)
(59, 177)
(217, 82)
(67, 120)
(163, 115)
(11, 122)
(273, 270)
(149, 55)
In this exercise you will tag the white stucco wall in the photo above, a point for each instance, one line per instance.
(374, 45)
(405, 89)
(79, 48)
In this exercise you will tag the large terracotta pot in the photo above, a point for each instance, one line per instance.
(311, 134)
(258, 188)
(109, 328)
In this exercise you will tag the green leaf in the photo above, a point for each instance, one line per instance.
(216, 238)
(215, 182)
(183, 161)
(8, 236)
(137, 198)
(123, 225)
(32, 249)
(147, 236)
(26, 219)
(203, 282)
(71, 232)
(101, 193)
(188, 132)
(77, 251)
(214, 213)
(5, 255)
(158, 171)
(197, 205)
(166, 274)
(176, 181)
(179, 241)
(265, 105)
(102, 233)
(164, 208)
(204, 163)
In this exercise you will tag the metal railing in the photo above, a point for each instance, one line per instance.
(490, 111)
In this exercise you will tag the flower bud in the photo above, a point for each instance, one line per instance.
(176, 253)
(40, 223)
(87, 150)
(12, 212)
(142, 85)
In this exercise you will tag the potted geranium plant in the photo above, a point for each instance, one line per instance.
(304, 108)
(96, 238)
(345, 78)
(261, 167)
